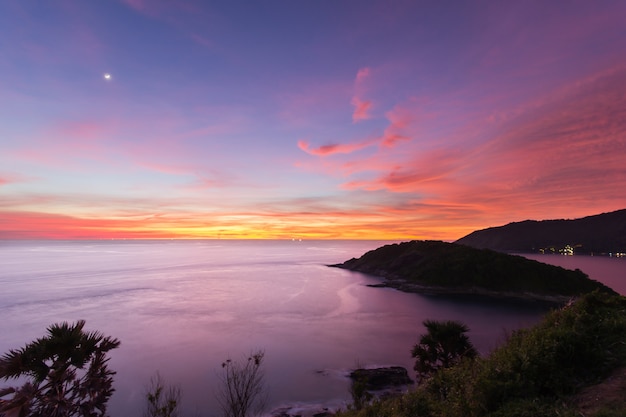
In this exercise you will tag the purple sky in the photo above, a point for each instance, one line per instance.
(302, 119)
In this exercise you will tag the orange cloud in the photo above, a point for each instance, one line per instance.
(313, 222)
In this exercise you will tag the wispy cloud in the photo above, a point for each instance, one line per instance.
(399, 129)
(400, 119)
(553, 157)
(362, 107)
(332, 149)
(11, 178)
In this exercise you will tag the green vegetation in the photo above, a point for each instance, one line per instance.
(538, 372)
(434, 266)
(67, 374)
(445, 344)
(359, 393)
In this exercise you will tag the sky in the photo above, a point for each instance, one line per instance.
(307, 119)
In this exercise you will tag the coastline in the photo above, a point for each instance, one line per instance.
(411, 287)
(389, 280)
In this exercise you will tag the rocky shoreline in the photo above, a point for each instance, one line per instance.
(411, 287)
(379, 382)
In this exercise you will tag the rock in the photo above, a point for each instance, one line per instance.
(324, 414)
(381, 378)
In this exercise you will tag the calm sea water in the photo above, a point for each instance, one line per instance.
(182, 307)
(608, 270)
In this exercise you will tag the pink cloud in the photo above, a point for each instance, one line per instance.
(361, 75)
(332, 149)
(6, 179)
(201, 40)
(66, 143)
(80, 132)
(309, 102)
(427, 172)
(400, 120)
(32, 225)
(361, 109)
(555, 158)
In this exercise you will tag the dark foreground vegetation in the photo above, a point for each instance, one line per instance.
(600, 234)
(538, 372)
(558, 368)
(447, 268)
(66, 374)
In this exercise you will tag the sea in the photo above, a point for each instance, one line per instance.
(183, 307)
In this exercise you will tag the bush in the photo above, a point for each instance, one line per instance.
(535, 373)
(242, 392)
(162, 400)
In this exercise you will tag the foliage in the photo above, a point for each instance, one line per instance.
(162, 401)
(449, 265)
(537, 372)
(444, 345)
(242, 392)
(358, 389)
(67, 374)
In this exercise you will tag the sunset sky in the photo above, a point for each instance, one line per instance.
(307, 119)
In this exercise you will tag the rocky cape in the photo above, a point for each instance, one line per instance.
(435, 267)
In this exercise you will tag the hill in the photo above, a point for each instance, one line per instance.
(571, 364)
(447, 268)
(602, 233)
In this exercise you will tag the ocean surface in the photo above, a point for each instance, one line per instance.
(182, 307)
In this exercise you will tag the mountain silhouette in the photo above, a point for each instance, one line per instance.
(599, 234)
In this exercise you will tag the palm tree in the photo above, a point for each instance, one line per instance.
(444, 345)
(67, 373)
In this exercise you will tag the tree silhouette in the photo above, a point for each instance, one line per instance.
(242, 392)
(162, 400)
(67, 374)
(444, 345)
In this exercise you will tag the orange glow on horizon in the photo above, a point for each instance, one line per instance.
(307, 226)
